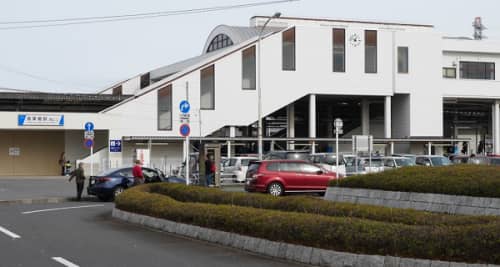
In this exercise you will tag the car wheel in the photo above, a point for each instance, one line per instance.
(118, 190)
(275, 189)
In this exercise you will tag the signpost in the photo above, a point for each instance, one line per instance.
(88, 137)
(115, 145)
(185, 130)
(338, 130)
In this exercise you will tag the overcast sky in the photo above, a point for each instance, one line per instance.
(90, 57)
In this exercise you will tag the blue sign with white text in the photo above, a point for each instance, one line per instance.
(115, 145)
(89, 126)
(40, 120)
(184, 106)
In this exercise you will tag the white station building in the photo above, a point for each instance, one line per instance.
(412, 88)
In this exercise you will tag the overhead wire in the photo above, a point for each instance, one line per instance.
(29, 24)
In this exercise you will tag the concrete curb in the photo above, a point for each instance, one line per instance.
(450, 204)
(290, 252)
(50, 200)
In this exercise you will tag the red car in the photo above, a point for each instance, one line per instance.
(277, 177)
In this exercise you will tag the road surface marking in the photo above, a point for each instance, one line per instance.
(64, 262)
(9, 233)
(65, 208)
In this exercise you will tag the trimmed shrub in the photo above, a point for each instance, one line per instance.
(466, 180)
(304, 204)
(477, 243)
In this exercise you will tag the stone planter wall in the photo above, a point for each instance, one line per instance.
(301, 254)
(418, 201)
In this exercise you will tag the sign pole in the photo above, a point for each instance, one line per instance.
(91, 161)
(188, 165)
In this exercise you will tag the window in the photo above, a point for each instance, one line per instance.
(118, 90)
(450, 73)
(308, 168)
(477, 70)
(338, 50)
(402, 59)
(220, 41)
(165, 108)
(207, 88)
(145, 80)
(248, 68)
(288, 49)
(272, 166)
(290, 167)
(370, 51)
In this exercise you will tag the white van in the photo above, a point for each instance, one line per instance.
(237, 167)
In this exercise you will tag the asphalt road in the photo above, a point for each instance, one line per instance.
(90, 237)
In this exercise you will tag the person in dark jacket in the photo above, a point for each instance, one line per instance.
(79, 176)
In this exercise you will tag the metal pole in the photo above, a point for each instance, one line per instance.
(259, 84)
(188, 166)
(91, 160)
(337, 153)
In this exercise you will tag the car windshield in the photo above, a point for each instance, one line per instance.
(231, 162)
(374, 162)
(405, 162)
(253, 167)
(440, 161)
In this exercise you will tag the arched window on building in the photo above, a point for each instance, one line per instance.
(219, 41)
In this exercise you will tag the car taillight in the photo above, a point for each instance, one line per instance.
(103, 179)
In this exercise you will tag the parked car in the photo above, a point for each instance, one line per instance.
(109, 184)
(294, 154)
(328, 161)
(236, 168)
(459, 159)
(278, 177)
(433, 160)
(410, 156)
(397, 162)
(363, 165)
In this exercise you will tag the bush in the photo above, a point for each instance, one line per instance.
(312, 205)
(466, 180)
(473, 243)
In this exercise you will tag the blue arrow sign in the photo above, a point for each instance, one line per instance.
(89, 126)
(184, 106)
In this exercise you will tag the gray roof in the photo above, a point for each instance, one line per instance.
(237, 35)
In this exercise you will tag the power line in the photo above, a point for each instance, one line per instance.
(126, 17)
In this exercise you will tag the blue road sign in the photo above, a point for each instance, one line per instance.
(88, 143)
(89, 126)
(184, 106)
(185, 129)
(115, 145)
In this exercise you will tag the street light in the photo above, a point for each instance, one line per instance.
(259, 93)
(338, 123)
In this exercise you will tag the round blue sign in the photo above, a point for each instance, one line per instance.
(89, 126)
(185, 129)
(184, 106)
(88, 143)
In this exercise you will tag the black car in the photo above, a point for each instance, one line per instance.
(109, 184)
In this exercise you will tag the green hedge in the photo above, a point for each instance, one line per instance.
(312, 205)
(473, 243)
(466, 180)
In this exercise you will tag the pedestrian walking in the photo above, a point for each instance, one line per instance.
(137, 173)
(79, 176)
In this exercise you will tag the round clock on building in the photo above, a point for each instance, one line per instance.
(355, 39)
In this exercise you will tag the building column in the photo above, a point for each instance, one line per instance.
(232, 133)
(365, 117)
(312, 121)
(290, 131)
(496, 127)
(387, 117)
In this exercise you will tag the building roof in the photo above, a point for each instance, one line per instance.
(55, 102)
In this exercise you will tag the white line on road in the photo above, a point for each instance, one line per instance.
(64, 262)
(9, 233)
(65, 208)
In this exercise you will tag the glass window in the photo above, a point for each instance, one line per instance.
(207, 88)
(288, 48)
(308, 168)
(272, 166)
(245, 162)
(232, 162)
(338, 50)
(220, 41)
(450, 73)
(477, 70)
(145, 81)
(126, 173)
(370, 51)
(440, 161)
(290, 167)
(404, 162)
(402, 59)
(165, 108)
(248, 68)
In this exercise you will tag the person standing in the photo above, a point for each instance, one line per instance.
(209, 171)
(79, 176)
(137, 173)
